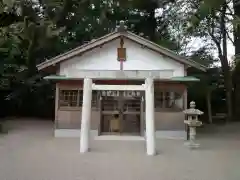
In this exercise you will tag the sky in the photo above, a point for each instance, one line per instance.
(196, 43)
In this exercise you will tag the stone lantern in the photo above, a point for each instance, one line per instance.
(192, 122)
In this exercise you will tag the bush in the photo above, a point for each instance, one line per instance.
(3, 127)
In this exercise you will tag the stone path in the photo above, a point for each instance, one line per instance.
(30, 152)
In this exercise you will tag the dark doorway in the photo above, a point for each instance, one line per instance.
(121, 113)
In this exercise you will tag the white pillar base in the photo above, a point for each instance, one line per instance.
(72, 133)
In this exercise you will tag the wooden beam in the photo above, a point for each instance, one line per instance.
(119, 75)
(118, 87)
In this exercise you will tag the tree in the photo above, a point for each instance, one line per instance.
(236, 72)
(9, 13)
(211, 20)
(43, 29)
(20, 44)
(209, 82)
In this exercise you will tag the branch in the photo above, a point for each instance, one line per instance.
(229, 1)
(223, 31)
(232, 41)
(211, 33)
(217, 43)
(229, 14)
(228, 20)
(193, 3)
(229, 9)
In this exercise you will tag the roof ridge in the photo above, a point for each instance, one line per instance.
(77, 48)
(113, 35)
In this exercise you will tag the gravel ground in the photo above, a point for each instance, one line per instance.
(30, 152)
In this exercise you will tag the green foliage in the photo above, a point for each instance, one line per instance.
(45, 28)
(236, 22)
(204, 56)
(210, 82)
(36, 30)
(213, 4)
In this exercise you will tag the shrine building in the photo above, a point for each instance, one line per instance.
(121, 78)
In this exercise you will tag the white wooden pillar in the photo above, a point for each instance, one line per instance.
(150, 120)
(86, 115)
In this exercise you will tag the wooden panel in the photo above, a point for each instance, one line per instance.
(105, 123)
(132, 105)
(95, 120)
(121, 54)
(169, 96)
(169, 85)
(63, 120)
(71, 83)
(119, 87)
(72, 119)
(169, 120)
(109, 104)
(131, 123)
(75, 121)
(119, 82)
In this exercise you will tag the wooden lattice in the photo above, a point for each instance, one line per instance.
(166, 99)
(68, 98)
(74, 98)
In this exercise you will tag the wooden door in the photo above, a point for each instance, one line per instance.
(129, 109)
(132, 115)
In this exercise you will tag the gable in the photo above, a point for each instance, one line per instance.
(105, 58)
(142, 58)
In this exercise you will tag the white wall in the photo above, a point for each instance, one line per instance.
(139, 58)
(105, 58)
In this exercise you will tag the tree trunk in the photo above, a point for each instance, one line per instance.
(209, 106)
(237, 60)
(31, 62)
(225, 64)
(228, 85)
(149, 29)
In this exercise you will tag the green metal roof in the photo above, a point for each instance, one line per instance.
(179, 78)
(185, 79)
